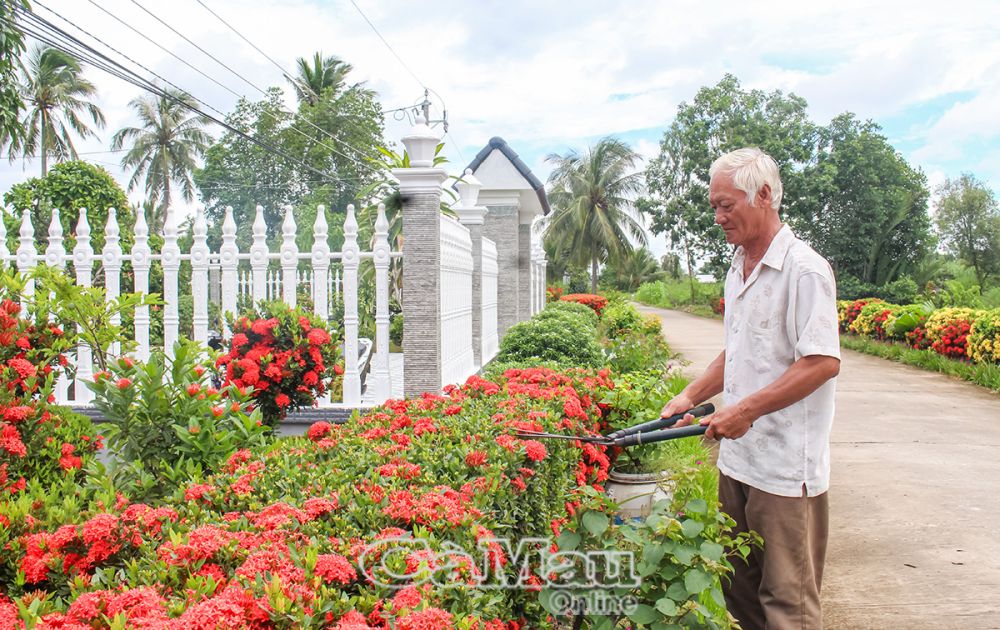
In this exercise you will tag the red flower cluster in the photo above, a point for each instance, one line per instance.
(917, 338)
(553, 294)
(852, 311)
(953, 339)
(596, 302)
(285, 357)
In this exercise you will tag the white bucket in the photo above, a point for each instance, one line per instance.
(635, 493)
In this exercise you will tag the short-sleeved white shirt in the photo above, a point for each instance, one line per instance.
(785, 310)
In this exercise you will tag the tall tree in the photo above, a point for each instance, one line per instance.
(164, 149)
(11, 47)
(318, 75)
(869, 217)
(628, 272)
(723, 118)
(592, 197)
(968, 220)
(56, 94)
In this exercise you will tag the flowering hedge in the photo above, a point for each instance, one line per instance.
(983, 342)
(38, 441)
(596, 302)
(284, 537)
(284, 356)
(959, 333)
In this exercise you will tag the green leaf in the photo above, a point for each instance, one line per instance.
(712, 551)
(691, 528)
(666, 606)
(652, 553)
(718, 597)
(684, 554)
(696, 506)
(696, 581)
(568, 540)
(596, 522)
(677, 592)
(643, 614)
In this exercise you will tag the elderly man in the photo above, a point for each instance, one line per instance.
(777, 374)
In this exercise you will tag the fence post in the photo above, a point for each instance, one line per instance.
(199, 277)
(83, 259)
(350, 257)
(4, 251)
(472, 216)
(289, 258)
(320, 264)
(112, 256)
(420, 190)
(171, 260)
(229, 255)
(259, 256)
(141, 262)
(55, 257)
(26, 254)
(381, 378)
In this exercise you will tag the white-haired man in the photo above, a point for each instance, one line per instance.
(777, 375)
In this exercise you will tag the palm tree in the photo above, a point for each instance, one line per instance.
(592, 198)
(55, 93)
(165, 147)
(323, 73)
(632, 270)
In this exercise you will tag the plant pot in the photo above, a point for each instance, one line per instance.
(635, 493)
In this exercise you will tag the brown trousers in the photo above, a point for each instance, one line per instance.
(778, 587)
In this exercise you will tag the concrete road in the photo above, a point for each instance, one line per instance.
(914, 505)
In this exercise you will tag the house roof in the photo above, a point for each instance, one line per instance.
(499, 144)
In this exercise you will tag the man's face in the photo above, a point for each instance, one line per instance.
(741, 222)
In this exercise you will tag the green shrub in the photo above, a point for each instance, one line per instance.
(637, 350)
(573, 307)
(561, 337)
(619, 318)
(571, 318)
(984, 337)
(653, 294)
(167, 411)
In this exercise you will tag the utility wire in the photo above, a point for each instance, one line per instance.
(213, 80)
(48, 33)
(247, 81)
(288, 77)
(398, 58)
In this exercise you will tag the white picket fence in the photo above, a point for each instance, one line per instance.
(491, 275)
(260, 282)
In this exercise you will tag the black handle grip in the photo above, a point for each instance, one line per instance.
(662, 423)
(660, 436)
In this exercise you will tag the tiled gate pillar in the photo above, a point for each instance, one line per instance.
(420, 189)
(472, 216)
(501, 226)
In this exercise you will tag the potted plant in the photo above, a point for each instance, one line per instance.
(639, 476)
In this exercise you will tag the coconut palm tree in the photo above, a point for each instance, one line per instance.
(592, 198)
(165, 147)
(323, 73)
(55, 95)
(632, 270)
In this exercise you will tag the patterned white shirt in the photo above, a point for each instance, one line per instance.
(785, 310)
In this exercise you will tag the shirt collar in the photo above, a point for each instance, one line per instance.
(774, 257)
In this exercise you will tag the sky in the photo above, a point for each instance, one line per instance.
(550, 77)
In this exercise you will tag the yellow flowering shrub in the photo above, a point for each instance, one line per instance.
(947, 330)
(870, 321)
(983, 342)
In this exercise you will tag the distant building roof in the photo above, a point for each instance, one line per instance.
(501, 145)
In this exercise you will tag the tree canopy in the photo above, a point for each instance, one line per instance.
(69, 186)
(11, 47)
(968, 220)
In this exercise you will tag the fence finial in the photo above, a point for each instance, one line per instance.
(54, 252)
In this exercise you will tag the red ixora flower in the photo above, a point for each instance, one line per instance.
(282, 400)
(319, 430)
(335, 568)
(123, 383)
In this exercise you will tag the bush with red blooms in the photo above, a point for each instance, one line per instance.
(596, 302)
(553, 293)
(719, 308)
(322, 527)
(285, 357)
(848, 311)
(38, 440)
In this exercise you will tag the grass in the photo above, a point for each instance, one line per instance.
(983, 374)
(677, 293)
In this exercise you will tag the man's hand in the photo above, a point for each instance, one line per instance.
(729, 422)
(678, 404)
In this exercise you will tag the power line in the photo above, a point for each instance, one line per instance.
(398, 58)
(247, 81)
(48, 33)
(283, 73)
